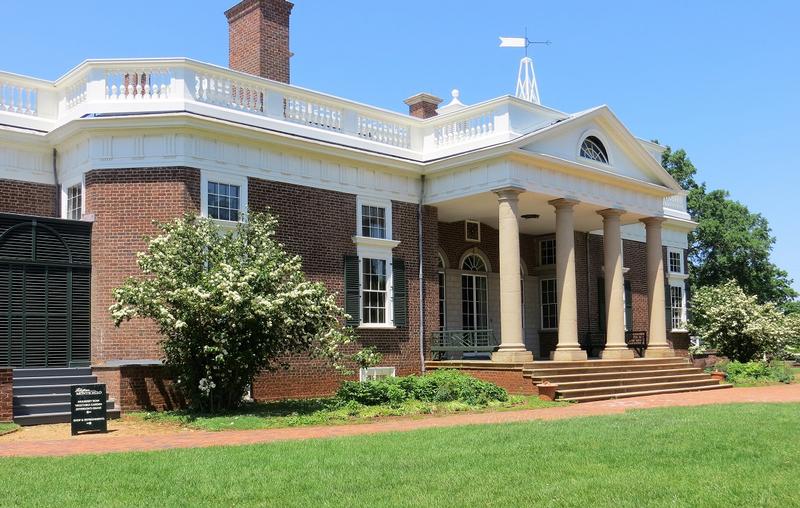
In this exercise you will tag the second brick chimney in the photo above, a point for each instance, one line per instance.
(259, 38)
(423, 105)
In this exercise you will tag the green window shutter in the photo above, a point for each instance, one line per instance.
(628, 305)
(400, 297)
(352, 290)
(668, 307)
(601, 303)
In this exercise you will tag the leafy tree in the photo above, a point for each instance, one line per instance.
(229, 305)
(730, 242)
(739, 327)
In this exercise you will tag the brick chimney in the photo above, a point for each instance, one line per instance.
(423, 105)
(259, 38)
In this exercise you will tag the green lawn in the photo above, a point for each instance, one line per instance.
(5, 428)
(297, 413)
(734, 455)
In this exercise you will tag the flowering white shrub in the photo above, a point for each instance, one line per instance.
(229, 305)
(738, 326)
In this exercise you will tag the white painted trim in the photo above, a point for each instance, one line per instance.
(604, 140)
(65, 186)
(541, 304)
(376, 243)
(682, 285)
(478, 252)
(228, 178)
(467, 238)
(680, 252)
(385, 255)
(384, 203)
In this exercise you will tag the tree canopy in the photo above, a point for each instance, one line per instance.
(730, 242)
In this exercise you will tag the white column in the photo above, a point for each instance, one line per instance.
(568, 347)
(657, 346)
(512, 347)
(616, 348)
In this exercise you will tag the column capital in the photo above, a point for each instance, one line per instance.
(611, 212)
(509, 192)
(563, 203)
(653, 221)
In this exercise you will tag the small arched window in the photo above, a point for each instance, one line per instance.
(592, 148)
(474, 263)
(440, 264)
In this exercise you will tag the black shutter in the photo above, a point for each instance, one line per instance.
(352, 290)
(668, 305)
(601, 303)
(628, 305)
(400, 297)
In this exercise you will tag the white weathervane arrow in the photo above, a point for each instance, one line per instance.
(527, 88)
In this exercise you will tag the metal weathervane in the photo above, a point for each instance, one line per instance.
(527, 88)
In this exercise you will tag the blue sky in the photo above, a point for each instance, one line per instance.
(720, 79)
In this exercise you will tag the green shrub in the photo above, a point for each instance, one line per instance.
(756, 372)
(439, 386)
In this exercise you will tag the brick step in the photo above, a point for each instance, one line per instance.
(20, 382)
(59, 417)
(603, 383)
(607, 396)
(28, 408)
(540, 372)
(605, 390)
(567, 378)
(55, 372)
(549, 364)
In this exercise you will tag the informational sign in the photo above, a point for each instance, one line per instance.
(88, 408)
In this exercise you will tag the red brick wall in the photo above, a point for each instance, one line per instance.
(423, 109)
(259, 38)
(140, 387)
(124, 203)
(6, 394)
(318, 225)
(28, 198)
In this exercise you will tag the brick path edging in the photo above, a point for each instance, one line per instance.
(107, 443)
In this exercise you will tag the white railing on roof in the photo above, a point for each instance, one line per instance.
(178, 84)
(676, 202)
(18, 98)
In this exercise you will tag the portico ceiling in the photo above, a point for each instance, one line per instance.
(484, 208)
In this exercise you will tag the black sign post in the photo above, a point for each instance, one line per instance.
(88, 408)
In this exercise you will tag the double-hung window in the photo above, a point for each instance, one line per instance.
(677, 303)
(75, 202)
(549, 301)
(224, 196)
(374, 290)
(547, 252)
(373, 221)
(675, 261)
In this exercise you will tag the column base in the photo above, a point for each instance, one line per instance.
(617, 354)
(512, 356)
(568, 355)
(659, 352)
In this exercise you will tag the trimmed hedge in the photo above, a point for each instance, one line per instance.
(439, 386)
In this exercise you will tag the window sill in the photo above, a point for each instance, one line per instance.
(367, 241)
(376, 326)
(676, 275)
(679, 330)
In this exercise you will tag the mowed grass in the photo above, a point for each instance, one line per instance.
(299, 413)
(710, 456)
(5, 428)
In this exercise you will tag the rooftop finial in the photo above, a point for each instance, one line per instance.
(527, 88)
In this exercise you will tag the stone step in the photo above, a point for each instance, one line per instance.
(606, 390)
(614, 374)
(42, 398)
(549, 364)
(54, 372)
(594, 398)
(603, 383)
(59, 417)
(596, 369)
(53, 380)
(27, 408)
(42, 389)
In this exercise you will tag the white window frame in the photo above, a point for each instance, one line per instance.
(542, 303)
(375, 373)
(682, 286)
(680, 252)
(441, 272)
(224, 178)
(381, 254)
(386, 204)
(603, 139)
(466, 228)
(65, 187)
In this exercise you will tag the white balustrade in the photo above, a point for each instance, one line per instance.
(465, 129)
(312, 113)
(17, 98)
(77, 93)
(138, 84)
(676, 202)
(229, 93)
(389, 133)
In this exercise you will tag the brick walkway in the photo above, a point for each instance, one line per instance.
(108, 443)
